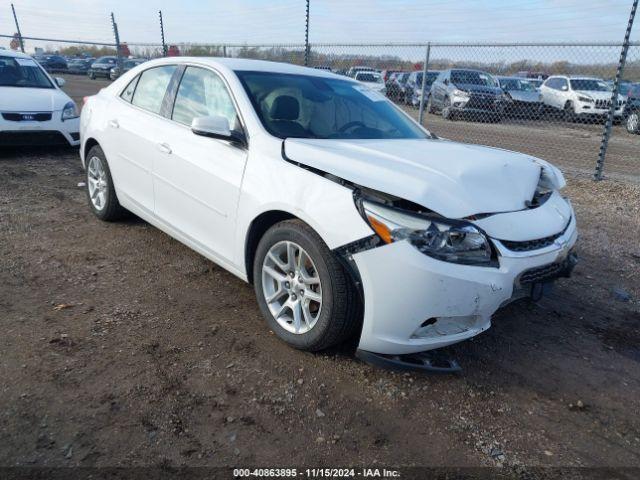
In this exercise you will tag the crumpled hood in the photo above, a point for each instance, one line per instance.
(453, 179)
(17, 99)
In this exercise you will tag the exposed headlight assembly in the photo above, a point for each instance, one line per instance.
(454, 241)
(69, 111)
(585, 99)
(460, 93)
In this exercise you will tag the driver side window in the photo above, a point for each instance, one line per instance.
(202, 93)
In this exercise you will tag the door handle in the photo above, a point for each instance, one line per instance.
(164, 148)
(114, 123)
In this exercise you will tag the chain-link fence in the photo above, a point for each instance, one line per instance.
(548, 100)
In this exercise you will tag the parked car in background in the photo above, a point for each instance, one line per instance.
(372, 80)
(80, 66)
(632, 108)
(347, 216)
(396, 85)
(580, 98)
(102, 67)
(473, 94)
(53, 63)
(353, 70)
(126, 66)
(536, 82)
(523, 99)
(387, 73)
(532, 75)
(413, 88)
(33, 108)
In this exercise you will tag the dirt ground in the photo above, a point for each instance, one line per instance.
(122, 347)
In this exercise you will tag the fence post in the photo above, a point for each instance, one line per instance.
(117, 38)
(15, 18)
(164, 45)
(424, 82)
(614, 95)
(306, 39)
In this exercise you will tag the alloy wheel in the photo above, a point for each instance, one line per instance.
(291, 287)
(97, 183)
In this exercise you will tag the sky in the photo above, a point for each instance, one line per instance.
(332, 21)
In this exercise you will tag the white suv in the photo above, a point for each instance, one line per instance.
(579, 97)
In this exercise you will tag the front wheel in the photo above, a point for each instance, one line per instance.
(632, 123)
(303, 291)
(447, 111)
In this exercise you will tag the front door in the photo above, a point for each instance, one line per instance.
(197, 179)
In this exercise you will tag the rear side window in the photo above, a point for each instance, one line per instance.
(202, 93)
(151, 88)
(127, 93)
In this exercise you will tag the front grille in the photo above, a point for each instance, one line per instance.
(27, 116)
(607, 103)
(536, 244)
(9, 138)
(484, 102)
(540, 274)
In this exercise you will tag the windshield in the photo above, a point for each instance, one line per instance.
(589, 85)
(470, 77)
(369, 77)
(304, 106)
(22, 72)
(517, 84)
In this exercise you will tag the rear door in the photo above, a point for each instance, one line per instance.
(197, 179)
(134, 132)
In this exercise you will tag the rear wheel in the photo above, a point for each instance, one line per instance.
(101, 193)
(632, 123)
(303, 291)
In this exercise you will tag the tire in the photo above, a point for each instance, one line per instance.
(447, 114)
(109, 209)
(337, 316)
(568, 114)
(430, 107)
(633, 122)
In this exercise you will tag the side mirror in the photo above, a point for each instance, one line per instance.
(216, 126)
(60, 81)
(446, 81)
(564, 88)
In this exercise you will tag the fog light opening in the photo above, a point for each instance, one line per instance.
(428, 321)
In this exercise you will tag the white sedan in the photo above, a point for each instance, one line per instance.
(346, 215)
(33, 108)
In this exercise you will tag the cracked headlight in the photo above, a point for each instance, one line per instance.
(69, 111)
(448, 240)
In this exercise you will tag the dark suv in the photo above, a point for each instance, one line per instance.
(53, 63)
(470, 93)
(631, 112)
(102, 67)
(413, 88)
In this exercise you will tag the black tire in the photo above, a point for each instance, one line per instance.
(430, 107)
(112, 210)
(568, 114)
(339, 316)
(447, 113)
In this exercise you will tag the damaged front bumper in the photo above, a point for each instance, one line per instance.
(414, 303)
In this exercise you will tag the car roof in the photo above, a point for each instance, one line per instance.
(241, 64)
(13, 53)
